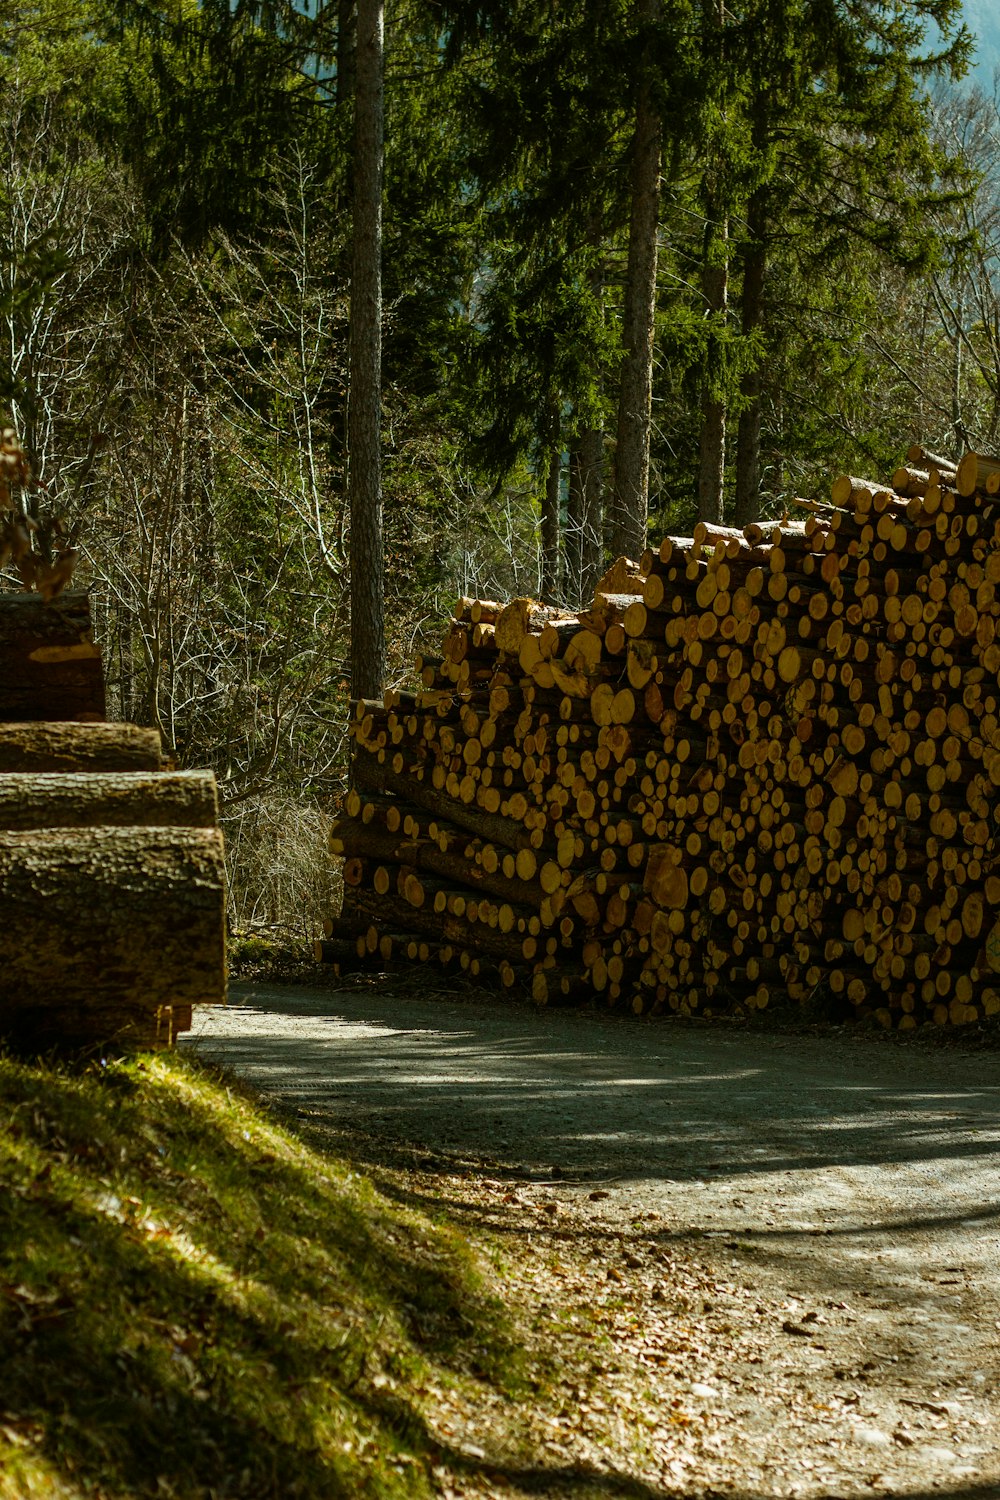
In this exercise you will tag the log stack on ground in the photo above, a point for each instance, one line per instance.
(112, 880)
(79, 747)
(50, 667)
(112, 895)
(115, 927)
(767, 775)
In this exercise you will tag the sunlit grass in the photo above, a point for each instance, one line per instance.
(195, 1302)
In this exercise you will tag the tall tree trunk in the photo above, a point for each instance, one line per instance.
(712, 463)
(550, 527)
(588, 472)
(592, 516)
(573, 535)
(961, 436)
(715, 294)
(751, 388)
(631, 494)
(715, 291)
(365, 363)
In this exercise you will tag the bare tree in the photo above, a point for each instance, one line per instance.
(66, 214)
(277, 386)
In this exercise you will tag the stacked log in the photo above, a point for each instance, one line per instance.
(112, 882)
(762, 770)
(50, 668)
(79, 747)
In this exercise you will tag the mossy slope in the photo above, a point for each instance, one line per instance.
(194, 1302)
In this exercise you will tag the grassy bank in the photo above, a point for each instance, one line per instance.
(193, 1302)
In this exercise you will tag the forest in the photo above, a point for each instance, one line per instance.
(643, 262)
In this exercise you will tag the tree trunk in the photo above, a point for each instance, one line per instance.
(85, 799)
(712, 462)
(712, 467)
(106, 927)
(365, 363)
(592, 518)
(573, 538)
(550, 527)
(715, 296)
(49, 665)
(752, 315)
(79, 747)
(631, 494)
(961, 432)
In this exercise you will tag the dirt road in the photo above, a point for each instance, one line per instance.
(839, 1196)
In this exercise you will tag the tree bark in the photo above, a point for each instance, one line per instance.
(104, 927)
(715, 295)
(79, 747)
(712, 456)
(631, 493)
(712, 468)
(88, 799)
(573, 539)
(49, 665)
(365, 363)
(550, 527)
(592, 519)
(751, 317)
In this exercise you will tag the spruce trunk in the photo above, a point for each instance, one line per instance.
(550, 528)
(752, 315)
(631, 496)
(573, 539)
(592, 520)
(712, 456)
(365, 363)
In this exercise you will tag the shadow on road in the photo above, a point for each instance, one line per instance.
(600, 1097)
(853, 1175)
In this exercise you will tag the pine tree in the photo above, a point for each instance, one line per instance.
(836, 120)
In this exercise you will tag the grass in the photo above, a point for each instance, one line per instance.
(194, 1302)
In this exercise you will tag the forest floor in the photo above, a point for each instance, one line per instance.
(767, 1264)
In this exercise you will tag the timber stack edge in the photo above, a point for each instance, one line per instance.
(762, 770)
(112, 885)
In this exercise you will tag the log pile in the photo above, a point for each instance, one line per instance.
(112, 883)
(50, 668)
(762, 770)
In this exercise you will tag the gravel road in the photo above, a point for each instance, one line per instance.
(848, 1184)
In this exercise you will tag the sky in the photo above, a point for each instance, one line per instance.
(983, 19)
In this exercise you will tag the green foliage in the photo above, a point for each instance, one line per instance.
(61, 49)
(211, 101)
(827, 171)
(816, 108)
